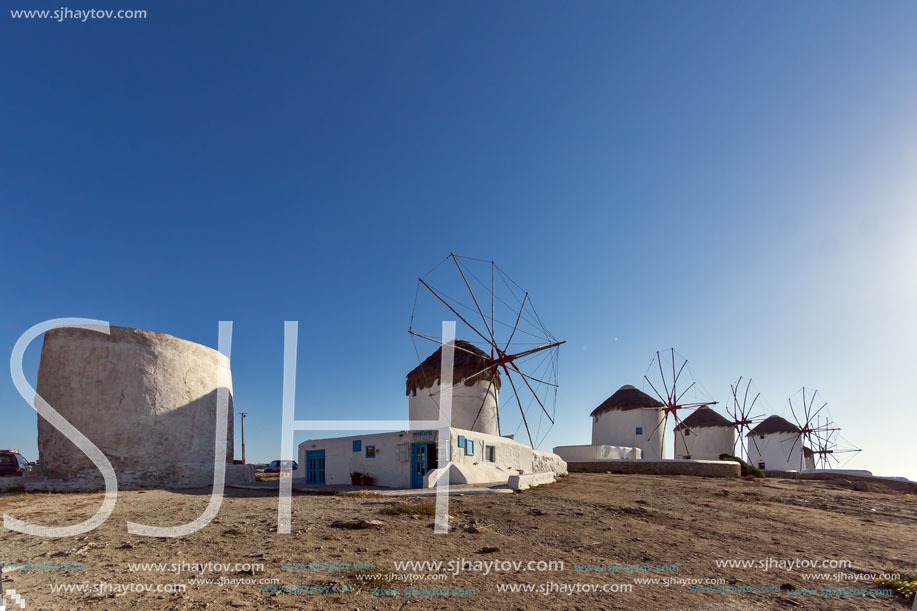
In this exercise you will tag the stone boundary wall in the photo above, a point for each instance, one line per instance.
(528, 480)
(696, 468)
(894, 484)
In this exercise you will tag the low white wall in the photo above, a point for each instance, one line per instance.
(510, 458)
(548, 461)
(524, 482)
(574, 453)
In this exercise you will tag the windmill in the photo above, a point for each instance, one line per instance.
(500, 336)
(740, 411)
(666, 387)
(828, 446)
(813, 426)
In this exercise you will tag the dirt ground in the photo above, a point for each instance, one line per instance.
(645, 524)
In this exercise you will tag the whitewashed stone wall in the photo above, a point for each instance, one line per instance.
(575, 453)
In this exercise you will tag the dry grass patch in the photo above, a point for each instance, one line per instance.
(410, 509)
(360, 578)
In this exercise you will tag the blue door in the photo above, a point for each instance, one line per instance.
(418, 464)
(315, 467)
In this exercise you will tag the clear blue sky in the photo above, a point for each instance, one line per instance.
(734, 180)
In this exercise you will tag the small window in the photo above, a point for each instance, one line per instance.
(357, 445)
(469, 447)
(490, 452)
(687, 432)
(639, 430)
(370, 451)
(461, 441)
(404, 452)
(414, 393)
(761, 465)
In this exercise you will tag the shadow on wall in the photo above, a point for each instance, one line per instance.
(171, 448)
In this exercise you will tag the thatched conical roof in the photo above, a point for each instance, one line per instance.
(627, 397)
(470, 364)
(702, 417)
(774, 424)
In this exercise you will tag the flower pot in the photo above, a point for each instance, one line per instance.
(355, 479)
(366, 480)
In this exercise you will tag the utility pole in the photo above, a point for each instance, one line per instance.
(243, 414)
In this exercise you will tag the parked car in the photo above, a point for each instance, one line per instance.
(13, 463)
(275, 466)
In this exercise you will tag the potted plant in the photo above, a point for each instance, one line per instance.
(355, 478)
(366, 480)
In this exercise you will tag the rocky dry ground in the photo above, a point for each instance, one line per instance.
(583, 519)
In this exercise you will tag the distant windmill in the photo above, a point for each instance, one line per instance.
(828, 446)
(817, 432)
(740, 410)
(666, 387)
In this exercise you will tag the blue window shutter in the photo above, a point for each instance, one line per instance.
(639, 430)
(357, 445)
(461, 441)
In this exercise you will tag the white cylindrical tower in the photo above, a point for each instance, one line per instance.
(775, 444)
(475, 393)
(704, 435)
(630, 418)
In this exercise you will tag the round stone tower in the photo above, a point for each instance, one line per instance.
(147, 400)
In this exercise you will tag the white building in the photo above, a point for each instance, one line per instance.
(413, 459)
(775, 444)
(704, 435)
(632, 419)
(418, 458)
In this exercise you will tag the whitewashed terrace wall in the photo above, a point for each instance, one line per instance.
(574, 453)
